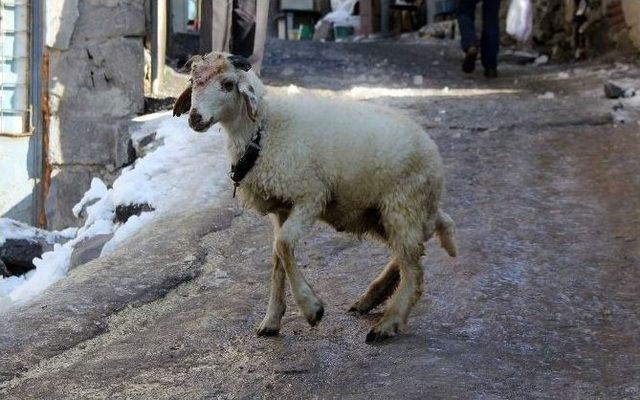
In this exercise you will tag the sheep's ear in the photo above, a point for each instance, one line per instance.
(183, 104)
(186, 68)
(250, 99)
(239, 62)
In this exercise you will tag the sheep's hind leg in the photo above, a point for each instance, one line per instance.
(406, 245)
(408, 292)
(379, 290)
(270, 325)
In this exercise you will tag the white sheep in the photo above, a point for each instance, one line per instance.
(361, 168)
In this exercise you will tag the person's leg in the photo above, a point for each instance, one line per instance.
(468, 38)
(221, 25)
(243, 27)
(490, 35)
(466, 21)
(262, 13)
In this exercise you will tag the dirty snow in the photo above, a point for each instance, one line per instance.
(10, 229)
(187, 171)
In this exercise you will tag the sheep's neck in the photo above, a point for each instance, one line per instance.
(239, 132)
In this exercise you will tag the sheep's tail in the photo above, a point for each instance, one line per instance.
(444, 230)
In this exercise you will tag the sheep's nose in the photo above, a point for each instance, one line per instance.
(195, 118)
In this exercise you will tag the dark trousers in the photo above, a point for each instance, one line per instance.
(243, 27)
(490, 41)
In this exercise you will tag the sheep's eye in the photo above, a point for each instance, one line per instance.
(227, 86)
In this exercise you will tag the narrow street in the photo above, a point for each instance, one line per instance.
(542, 302)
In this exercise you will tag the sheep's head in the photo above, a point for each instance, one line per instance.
(222, 86)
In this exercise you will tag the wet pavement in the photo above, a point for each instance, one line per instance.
(543, 301)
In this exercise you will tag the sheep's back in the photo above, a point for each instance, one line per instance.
(350, 142)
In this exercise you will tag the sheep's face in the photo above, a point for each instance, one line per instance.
(219, 91)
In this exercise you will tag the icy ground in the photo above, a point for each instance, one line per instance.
(185, 172)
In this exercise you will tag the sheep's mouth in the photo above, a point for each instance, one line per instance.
(201, 126)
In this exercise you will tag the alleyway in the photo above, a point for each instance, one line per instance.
(543, 301)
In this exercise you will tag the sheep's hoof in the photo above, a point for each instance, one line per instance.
(357, 309)
(267, 331)
(268, 327)
(378, 334)
(314, 318)
(377, 337)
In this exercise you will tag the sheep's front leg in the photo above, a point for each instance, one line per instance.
(300, 219)
(270, 325)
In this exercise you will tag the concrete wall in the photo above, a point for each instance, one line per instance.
(96, 70)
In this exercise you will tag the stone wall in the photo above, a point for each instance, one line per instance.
(631, 10)
(564, 29)
(96, 72)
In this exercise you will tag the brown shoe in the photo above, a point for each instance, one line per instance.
(469, 63)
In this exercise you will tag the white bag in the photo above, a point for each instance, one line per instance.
(520, 19)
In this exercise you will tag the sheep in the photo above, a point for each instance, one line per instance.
(361, 168)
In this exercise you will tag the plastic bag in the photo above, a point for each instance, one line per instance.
(520, 19)
(344, 5)
(342, 14)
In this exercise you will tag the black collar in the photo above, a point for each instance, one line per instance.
(248, 159)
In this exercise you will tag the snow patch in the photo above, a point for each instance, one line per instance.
(188, 171)
(50, 268)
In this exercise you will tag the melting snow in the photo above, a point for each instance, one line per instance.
(189, 170)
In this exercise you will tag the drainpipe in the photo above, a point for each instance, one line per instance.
(45, 172)
(39, 72)
(158, 42)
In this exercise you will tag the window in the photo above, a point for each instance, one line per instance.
(14, 72)
(185, 16)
